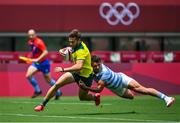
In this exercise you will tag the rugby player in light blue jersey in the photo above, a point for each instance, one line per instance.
(120, 84)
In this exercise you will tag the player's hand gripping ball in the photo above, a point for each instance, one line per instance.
(66, 53)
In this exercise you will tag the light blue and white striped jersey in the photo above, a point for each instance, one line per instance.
(112, 79)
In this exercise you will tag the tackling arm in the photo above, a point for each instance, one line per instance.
(97, 89)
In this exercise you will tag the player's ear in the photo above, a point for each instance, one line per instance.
(91, 63)
(79, 41)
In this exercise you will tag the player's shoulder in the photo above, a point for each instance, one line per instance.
(104, 67)
(85, 46)
(81, 46)
(82, 49)
(104, 70)
(78, 48)
(37, 39)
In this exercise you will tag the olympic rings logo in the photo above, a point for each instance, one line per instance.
(112, 11)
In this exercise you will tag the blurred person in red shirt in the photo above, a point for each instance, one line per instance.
(40, 63)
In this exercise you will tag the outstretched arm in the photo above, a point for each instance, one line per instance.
(97, 89)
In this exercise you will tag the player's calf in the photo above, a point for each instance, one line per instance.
(97, 99)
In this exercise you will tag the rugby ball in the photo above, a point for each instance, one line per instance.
(66, 53)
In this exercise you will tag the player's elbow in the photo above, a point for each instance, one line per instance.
(79, 67)
(46, 52)
(29, 77)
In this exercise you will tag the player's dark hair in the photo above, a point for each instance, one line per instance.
(95, 58)
(75, 34)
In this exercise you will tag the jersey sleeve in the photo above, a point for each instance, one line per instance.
(104, 77)
(41, 45)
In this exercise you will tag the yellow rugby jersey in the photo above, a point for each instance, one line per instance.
(82, 53)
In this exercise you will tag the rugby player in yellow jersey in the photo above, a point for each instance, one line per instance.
(80, 71)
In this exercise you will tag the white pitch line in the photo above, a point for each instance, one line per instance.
(76, 117)
(60, 103)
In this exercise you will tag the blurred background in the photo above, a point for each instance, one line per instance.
(138, 37)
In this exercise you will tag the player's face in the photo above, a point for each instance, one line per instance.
(96, 67)
(32, 35)
(73, 42)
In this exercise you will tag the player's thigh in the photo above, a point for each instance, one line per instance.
(66, 78)
(125, 80)
(31, 71)
(136, 86)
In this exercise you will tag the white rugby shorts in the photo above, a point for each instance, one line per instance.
(123, 86)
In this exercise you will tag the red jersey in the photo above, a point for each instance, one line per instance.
(37, 47)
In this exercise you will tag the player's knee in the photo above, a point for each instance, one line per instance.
(131, 97)
(56, 86)
(132, 94)
(28, 77)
